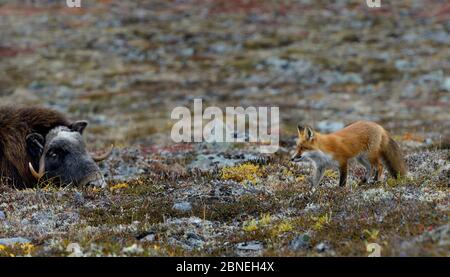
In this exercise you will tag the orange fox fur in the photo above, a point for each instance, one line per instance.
(366, 141)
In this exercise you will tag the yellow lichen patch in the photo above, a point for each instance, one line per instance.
(287, 172)
(118, 186)
(95, 190)
(300, 178)
(242, 173)
(331, 173)
(371, 234)
(321, 221)
(27, 248)
(393, 182)
(266, 219)
(18, 249)
(282, 227)
(250, 226)
(253, 225)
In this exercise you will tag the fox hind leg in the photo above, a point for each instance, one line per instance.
(366, 163)
(378, 171)
(377, 165)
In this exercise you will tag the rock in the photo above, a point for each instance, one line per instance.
(250, 246)
(446, 84)
(334, 77)
(12, 241)
(133, 249)
(329, 126)
(322, 247)
(74, 249)
(210, 161)
(404, 65)
(434, 77)
(183, 207)
(194, 240)
(79, 198)
(2, 215)
(439, 37)
(376, 195)
(187, 52)
(300, 242)
(295, 68)
(221, 48)
(440, 236)
(149, 238)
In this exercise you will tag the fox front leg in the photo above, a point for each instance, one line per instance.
(343, 175)
(318, 175)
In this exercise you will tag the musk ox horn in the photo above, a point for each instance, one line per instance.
(40, 174)
(99, 158)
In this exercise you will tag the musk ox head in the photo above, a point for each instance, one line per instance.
(64, 158)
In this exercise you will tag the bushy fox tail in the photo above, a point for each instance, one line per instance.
(393, 157)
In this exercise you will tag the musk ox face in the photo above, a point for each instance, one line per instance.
(64, 158)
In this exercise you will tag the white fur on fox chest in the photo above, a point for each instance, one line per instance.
(321, 159)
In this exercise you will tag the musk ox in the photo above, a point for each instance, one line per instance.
(39, 138)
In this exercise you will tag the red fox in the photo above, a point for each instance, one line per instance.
(366, 141)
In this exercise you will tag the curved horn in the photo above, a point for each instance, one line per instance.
(99, 158)
(40, 174)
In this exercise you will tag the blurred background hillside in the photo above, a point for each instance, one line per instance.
(125, 64)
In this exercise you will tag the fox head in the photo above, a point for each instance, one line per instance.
(306, 143)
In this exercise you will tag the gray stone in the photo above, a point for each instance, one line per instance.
(150, 237)
(401, 64)
(187, 52)
(12, 241)
(439, 37)
(322, 247)
(183, 207)
(300, 242)
(446, 84)
(210, 161)
(79, 198)
(194, 240)
(250, 246)
(2, 215)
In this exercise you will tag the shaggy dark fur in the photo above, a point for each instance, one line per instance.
(16, 123)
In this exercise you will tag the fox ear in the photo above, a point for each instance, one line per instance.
(309, 133)
(300, 129)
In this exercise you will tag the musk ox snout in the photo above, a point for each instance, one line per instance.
(64, 158)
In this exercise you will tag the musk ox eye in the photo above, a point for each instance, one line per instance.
(55, 153)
